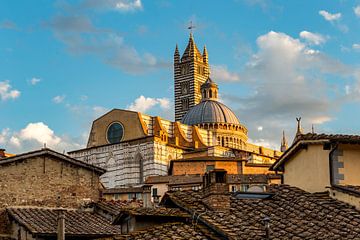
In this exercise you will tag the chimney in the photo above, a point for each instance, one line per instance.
(61, 224)
(216, 190)
(2, 153)
(147, 196)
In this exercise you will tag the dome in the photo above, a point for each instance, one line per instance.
(209, 111)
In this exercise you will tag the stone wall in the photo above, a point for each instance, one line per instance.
(39, 181)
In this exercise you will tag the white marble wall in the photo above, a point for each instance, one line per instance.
(123, 161)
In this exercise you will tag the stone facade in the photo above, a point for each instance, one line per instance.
(129, 163)
(42, 179)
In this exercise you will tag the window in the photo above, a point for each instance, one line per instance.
(210, 167)
(185, 104)
(233, 188)
(154, 192)
(115, 132)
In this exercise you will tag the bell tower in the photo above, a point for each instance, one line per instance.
(190, 72)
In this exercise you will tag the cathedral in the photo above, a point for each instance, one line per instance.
(206, 134)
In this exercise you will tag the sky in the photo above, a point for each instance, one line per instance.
(65, 63)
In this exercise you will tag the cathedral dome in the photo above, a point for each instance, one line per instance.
(209, 111)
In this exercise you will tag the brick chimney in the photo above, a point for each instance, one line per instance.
(147, 196)
(216, 190)
(2, 153)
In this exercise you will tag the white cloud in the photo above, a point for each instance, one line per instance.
(34, 136)
(357, 10)
(260, 128)
(320, 119)
(356, 46)
(221, 73)
(128, 5)
(58, 99)
(4, 135)
(6, 92)
(287, 79)
(98, 111)
(34, 81)
(111, 5)
(313, 38)
(329, 16)
(143, 104)
(40, 133)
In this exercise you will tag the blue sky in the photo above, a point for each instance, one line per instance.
(64, 63)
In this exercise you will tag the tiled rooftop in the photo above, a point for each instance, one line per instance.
(43, 221)
(169, 231)
(293, 213)
(114, 207)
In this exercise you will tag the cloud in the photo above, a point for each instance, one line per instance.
(329, 16)
(143, 104)
(221, 73)
(6, 92)
(286, 79)
(356, 46)
(4, 135)
(357, 10)
(70, 24)
(7, 24)
(81, 37)
(34, 136)
(113, 5)
(313, 38)
(334, 19)
(34, 81)
(58, 99)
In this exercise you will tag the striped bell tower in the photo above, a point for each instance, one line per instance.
(190, 72)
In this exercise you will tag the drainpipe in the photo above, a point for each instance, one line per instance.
(334, 147)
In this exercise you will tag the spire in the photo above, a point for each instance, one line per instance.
(312, 129)
(191, 50)
(284, 145)
(176, 55)
(205, 55)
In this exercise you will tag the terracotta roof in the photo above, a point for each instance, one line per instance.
(293, 213)
(114, 207)
(47, 151)
(345, 138)
(43, 221)
(124, 190)
(197, 179)
(169, 231)
(313, 138)
(158, 211)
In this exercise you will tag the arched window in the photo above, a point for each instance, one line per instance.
(210, 93)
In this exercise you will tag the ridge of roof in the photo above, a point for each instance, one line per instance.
(47, 151)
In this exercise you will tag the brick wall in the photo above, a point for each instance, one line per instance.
(40, 180)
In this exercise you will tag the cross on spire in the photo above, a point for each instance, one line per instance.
(191, 26)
